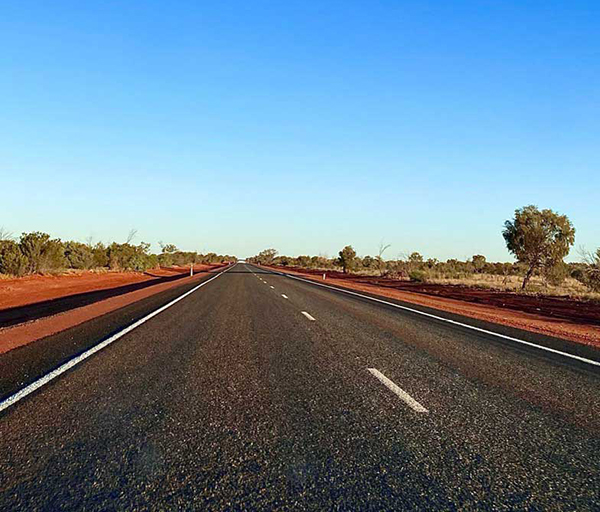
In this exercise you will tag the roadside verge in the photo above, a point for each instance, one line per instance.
(24, 333)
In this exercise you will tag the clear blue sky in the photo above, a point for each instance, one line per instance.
(304, 126)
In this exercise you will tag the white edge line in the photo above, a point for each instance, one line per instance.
(308, 315)
(27, 390)
(472, 327)
(403, 395)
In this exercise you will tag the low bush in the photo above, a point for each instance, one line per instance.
(417, 276)
(589, 272)
(556, 274)
(12, 260)
(100, 255)
(36, 252)
(130, 257)
(79, 256)
(43, 254)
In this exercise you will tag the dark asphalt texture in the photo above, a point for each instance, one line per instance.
(233, 400)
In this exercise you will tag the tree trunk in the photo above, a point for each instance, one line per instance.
(528, 277)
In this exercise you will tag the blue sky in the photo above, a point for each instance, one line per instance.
(304, 126)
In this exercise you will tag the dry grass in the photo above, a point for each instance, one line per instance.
(569, 288)
(537, 286)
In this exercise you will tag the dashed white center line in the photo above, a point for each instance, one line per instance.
(284, 295)
(404, 396)
(273, 287)
(307, 315)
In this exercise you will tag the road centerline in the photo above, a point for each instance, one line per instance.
(449, 321)
(308, 315)
(398, 391)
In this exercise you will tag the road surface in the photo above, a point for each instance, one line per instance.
(259, 391)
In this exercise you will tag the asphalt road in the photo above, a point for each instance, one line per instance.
(258, 391)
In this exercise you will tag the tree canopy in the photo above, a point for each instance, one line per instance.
(539, 239)
(347, 258)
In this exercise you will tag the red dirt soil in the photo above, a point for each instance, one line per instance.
(570, 319)
(39, 288)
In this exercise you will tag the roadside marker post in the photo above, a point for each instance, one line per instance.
(323, 276)
(191, 269)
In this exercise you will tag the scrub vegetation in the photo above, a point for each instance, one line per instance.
(36, 252)
(539, 240)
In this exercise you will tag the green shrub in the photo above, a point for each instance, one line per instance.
(151, 261)
(556, 274)
(588, 273)
(165, 260)
(183, 258)
(53, 256)
(79, 256)
(120, 256)
(32, 246)
(417, 276)
(42, 253)
(100, 255)
(130, 257)
(12, 260)
(37, 252)
(347, 259)
(368, 262)
(479, 262)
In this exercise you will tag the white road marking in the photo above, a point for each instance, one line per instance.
(403, 395)
(284, 295)
(27, 390)
(307, 315)
(273, 287)
(454, 322)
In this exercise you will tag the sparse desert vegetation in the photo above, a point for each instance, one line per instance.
(539, 240)
(37, 252)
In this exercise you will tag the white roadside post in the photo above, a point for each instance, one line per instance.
(323, 276)
(191, 269)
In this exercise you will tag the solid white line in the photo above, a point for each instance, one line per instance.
(404, 396)
(307, 315)
(19, 395)
(284, 296)
(454, 322)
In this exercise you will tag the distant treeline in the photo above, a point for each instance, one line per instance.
(539, 239)
(418, 269)
(37, 252)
